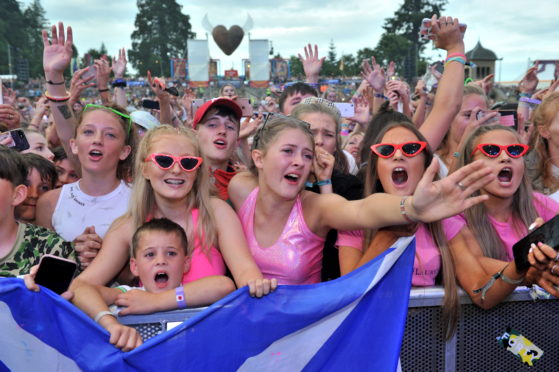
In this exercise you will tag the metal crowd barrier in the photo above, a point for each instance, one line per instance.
(474, 346)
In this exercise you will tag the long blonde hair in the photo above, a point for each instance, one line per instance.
(451, 306)
(544, 180)
(523, 210)
(142, 201)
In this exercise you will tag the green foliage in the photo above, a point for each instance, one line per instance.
(161, 33)
(296, 66)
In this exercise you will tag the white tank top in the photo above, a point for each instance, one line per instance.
(75, 210)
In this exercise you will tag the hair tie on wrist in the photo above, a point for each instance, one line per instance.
(103, 90)
(53, 83)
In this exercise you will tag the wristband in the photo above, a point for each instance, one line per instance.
(324, 182)
(525, 95)
(457, 55)
(456, 154)
(179, 296)
(403, 210)
(103, 90)
(454, 59)
(101, 314)
(53, 83)
(56, 99)
(530, 101)
(378, 95)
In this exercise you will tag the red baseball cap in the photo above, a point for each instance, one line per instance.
(221, 101)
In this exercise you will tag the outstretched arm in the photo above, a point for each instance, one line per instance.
(311, 64)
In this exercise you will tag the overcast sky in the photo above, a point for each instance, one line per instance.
(515, 30)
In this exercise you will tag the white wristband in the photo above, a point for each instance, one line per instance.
(101, 314)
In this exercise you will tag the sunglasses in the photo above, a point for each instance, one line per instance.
(493, 150)
(409, 149)
(187, 163)
(90, 105)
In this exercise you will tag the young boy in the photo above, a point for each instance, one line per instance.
(21, 244)
(159, 258)
(41, 177)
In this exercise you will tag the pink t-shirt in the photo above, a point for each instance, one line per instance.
(427, 262)
(546, 208)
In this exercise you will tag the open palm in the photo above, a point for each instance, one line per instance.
(57, 52)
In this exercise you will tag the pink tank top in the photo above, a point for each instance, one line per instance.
(202, 264)
(296, 257)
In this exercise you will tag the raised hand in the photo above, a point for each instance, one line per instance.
(103, 72)
(10, 116)
(446, 34)
(249, 126)
(78, 84)
(362, 113)
(57, 53)
(530, 81)
(119, 65)
(374, 75)
(433, 201)
(311, 63)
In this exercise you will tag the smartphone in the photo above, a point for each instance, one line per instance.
(196, 103)
(18, 139)
(245, 105)
(55, 273)
(493, 120)
(547, 233)
(150, 104)
(508, 119)
(1, 92)
(347, 109)
(91, 71)
(425, 29)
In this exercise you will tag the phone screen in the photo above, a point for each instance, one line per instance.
(547, 233)
(18, 140)
(55, 273)
(150, 104)
(347, 109)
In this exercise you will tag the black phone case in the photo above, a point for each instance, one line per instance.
(55, 274)
(548, 233)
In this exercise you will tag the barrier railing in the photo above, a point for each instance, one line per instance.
(474, 347)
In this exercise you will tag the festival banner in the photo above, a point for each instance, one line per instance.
(259, 64)
(198, 62)
(354, 323)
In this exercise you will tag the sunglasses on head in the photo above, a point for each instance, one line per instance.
(493, 150)
(187, 163)
(90, 105)
(409, 149)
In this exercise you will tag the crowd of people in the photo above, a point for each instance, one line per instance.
(178, 206)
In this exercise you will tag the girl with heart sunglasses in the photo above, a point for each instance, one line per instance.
(180, 193)
(513, 206)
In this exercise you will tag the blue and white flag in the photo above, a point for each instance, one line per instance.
(353, 323)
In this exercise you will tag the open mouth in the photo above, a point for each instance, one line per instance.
(399, 176)
(95, 154)
(292, 177)
(174, 181)
(161, 279)
(220, 143)
(505, 175)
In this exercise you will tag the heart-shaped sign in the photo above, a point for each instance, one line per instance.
(228, 40)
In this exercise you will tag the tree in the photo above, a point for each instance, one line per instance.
(406, 22)
(330, 67)
(12, 23)
(392, 47)
(296, 67)
(36, 22)
(161, 33)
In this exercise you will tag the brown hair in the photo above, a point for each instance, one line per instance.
(451, 306)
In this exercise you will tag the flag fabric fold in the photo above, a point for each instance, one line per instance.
(354, 322)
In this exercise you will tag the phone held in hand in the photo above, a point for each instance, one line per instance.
(425, 32)
(245, 106)
(55, 273)
(195, 105)
(150, 104)
(346, 109)
(548, 233)
(18, 140)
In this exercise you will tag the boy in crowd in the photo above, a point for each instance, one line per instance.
(159, 258)
(293, 95)
(22, 244)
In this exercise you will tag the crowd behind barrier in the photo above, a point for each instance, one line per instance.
(166, 197)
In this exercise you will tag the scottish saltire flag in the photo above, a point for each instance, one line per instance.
(354, 323)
